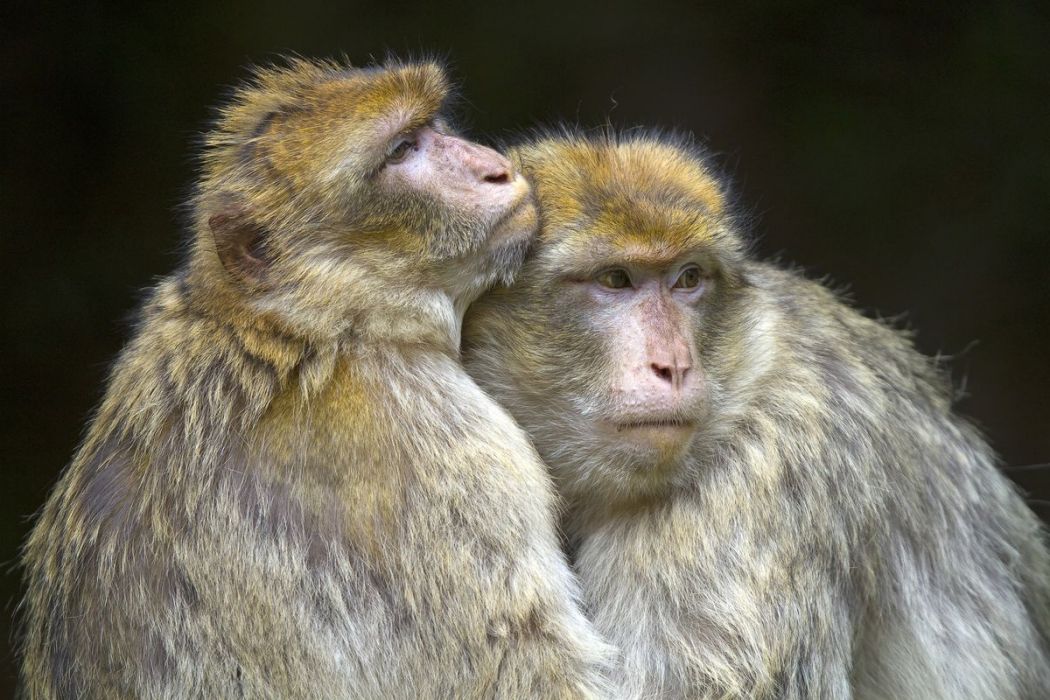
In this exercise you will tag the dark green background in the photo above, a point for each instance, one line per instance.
(904, 152)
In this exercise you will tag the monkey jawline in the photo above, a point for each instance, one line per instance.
(518, 222)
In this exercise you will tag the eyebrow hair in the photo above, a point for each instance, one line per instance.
(583, 263)
(419, 119)
(404, 123)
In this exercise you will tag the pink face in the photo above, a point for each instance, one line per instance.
(656, 391)
(465, 176)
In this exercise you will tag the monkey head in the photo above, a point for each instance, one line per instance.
(335, 198)
(602, 348)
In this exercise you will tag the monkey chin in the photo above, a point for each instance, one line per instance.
(520, 219)
(511, 238)
(652, 448)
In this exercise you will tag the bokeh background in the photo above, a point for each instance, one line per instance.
(902, 151)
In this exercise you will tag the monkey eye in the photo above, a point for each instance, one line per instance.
(403, 146)
(616, 278)
(689, 278)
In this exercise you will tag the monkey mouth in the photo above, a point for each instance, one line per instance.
(671, 424)
(662, 437)
(510, 224)
(663, 427)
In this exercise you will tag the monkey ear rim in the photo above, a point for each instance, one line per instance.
(240, 243)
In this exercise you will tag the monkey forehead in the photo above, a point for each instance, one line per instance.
(312, 108)
(407, 89)
(576, 174)
(349, 120)
(327, 86)
(643, 199)
(588, 248)
(632, 222)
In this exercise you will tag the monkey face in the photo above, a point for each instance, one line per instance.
(482, 208)
(336, 192)
(601, 349)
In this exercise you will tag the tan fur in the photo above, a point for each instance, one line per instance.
(833, 530)
(291, 488)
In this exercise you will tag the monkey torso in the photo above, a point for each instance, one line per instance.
(255, 516)
(838, 532)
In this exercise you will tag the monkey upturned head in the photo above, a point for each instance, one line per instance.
(599, 347)
(336, 198)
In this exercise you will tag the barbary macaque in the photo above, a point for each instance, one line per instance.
(291, 488)
(768, 494)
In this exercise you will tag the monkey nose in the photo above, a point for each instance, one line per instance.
(500, 176)
(490, 167)
(671, 372)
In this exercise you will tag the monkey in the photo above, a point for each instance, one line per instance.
(768, 494)
(292, 488)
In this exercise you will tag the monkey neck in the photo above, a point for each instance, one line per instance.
(208, 352)
(429, 319)
(585, 516)
(373, 313)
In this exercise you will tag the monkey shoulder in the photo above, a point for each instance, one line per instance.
(413, 428)
(870, 408)
(850, 352)
(883, 426)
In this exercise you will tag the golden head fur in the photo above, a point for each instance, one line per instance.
(636, 194)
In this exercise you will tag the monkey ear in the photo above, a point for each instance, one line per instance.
(240, 243)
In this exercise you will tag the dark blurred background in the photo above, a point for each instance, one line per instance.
(902, 151)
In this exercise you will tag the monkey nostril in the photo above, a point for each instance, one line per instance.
(662, 372)
(500, 178)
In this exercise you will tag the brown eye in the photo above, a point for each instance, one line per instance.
(404, 146)
(689, 278)
(616, 278)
